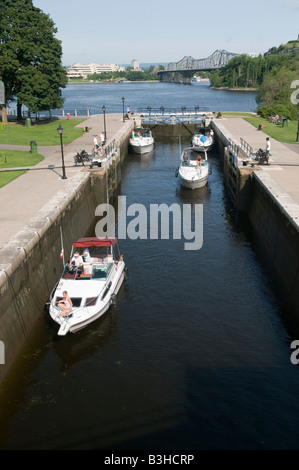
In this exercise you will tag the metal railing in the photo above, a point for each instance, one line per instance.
(173, 111)
(48, 114)
(110, 150)
(246, 148)
(234, 147)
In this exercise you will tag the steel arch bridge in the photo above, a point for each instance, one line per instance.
(183, 71)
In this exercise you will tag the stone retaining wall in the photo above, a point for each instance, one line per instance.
(30, 264)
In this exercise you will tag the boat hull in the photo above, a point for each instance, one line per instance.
(193, 177)
(193, 184)
(141, 149)
(81, 325)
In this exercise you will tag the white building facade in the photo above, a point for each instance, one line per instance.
(79, 70)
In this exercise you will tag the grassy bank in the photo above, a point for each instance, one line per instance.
(42, 133)
(237, 114)
(286, 134)
(15, 159)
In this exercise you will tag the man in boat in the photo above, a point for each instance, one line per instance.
(76, 264)
(185, 157)
(86, 255)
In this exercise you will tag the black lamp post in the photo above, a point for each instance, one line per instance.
(60, 132)
(297, 138)
(123, 100)
(104, 110)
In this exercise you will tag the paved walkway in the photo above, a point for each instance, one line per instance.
(23, 197)
(284, 160)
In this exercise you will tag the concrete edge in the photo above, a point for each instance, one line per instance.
(14, 252)
(282, 199)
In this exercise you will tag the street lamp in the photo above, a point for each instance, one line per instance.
(60, 132)
(297, 138)
(104, 110)
(123, 100)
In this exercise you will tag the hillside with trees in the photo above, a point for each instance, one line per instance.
(270, 74)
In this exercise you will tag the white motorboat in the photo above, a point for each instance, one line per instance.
(193, 170)
(142, 141)
(92, 287)
(202, 140)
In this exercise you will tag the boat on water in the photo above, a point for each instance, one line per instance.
(203, 139)
(142, 141)
(196, 79)
(91, 281)
(193, 171)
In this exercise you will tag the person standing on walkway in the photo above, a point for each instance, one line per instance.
(95, 143)
(268, 147)
(102, 139)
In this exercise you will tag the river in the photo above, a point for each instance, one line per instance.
(195, 355)
(93, 96)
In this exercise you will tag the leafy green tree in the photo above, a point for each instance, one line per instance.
(30, 57)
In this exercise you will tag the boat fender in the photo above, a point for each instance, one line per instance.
(176, 172)
(113, 299)
(126, 273)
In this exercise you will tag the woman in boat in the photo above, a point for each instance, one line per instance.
(65, 304)
(199, 160)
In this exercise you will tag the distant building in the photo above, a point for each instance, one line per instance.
(135, 65)
(252, 54)
(79, 70)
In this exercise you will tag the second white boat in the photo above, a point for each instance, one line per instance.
(193, 171)
(142, 141)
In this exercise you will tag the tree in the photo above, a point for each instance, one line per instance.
(30, 57)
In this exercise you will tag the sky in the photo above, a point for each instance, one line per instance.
(163, 31)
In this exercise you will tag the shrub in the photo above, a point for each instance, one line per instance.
(289, 111)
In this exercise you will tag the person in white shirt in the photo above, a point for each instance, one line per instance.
(102, 138)
(86, 255)
(268, 147)
(95, 143)
(76, 264)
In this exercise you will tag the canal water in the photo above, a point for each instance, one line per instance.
(195, 355)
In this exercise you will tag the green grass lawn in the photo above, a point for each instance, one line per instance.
(282, 134)
(237, 114)
(15, 159)
(42, 133)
